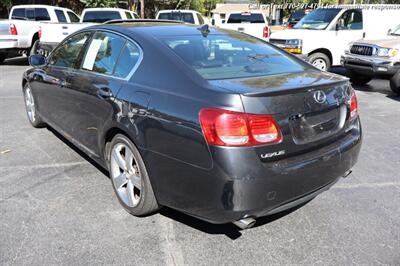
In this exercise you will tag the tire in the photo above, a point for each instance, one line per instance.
(395, 83)
(129, 177)
(320, 61)
(2, 58)
(358, 79)
(34, 48)
(31, 110)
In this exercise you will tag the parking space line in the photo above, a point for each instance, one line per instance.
(41, 166)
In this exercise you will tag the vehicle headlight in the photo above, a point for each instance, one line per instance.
(293, 46)
(387, 52)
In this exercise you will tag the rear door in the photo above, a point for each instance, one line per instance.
(94, 85)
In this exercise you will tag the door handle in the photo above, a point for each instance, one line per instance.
(105, 93)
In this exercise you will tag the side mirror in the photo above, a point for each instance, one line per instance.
(223, 21)
(389, 32)
(37, 60)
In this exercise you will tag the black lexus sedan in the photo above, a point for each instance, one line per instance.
(214, 123)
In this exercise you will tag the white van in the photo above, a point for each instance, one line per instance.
(322, 36)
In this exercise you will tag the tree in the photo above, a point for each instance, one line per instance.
(99, 3)
(7, 4)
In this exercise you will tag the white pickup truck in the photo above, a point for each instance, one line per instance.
(53, 33)
(253, 23)
(20, 32)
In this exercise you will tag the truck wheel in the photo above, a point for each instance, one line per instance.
(320, 61)
(395, 83)
(358, 79)
(34, 48)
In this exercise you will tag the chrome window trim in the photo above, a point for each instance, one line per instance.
(127, 38)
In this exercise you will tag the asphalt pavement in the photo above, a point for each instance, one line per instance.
(58, 208)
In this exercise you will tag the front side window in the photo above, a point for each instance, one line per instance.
(351, 20)
(41, 14)
(128, 15)
(67, 55)
(72, 16)
(103, 52)
(100, 16)
(246, 18)
(136, 16)
(18, 13)
(231, 56)
(318, 19)
(200, 18)
(60, 16)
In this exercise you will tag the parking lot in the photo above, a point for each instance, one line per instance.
(56, 207)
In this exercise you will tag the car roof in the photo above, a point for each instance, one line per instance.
(39, 6)
(105, 9)
(177, 11)
(157, 28)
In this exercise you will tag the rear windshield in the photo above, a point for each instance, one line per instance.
(100, 16)
(178, 16)
(319, 19)
(246, 18)
(39, 14)
(231, 56)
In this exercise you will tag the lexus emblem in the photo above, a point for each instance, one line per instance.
(319, 96)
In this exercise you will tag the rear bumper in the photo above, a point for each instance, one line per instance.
(370, 65)
(8, 43)
(241, 185)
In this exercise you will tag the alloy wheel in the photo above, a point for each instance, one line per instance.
(125, 175)
(30, 104)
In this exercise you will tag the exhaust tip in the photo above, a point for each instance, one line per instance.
(245, 223)
(347, 173)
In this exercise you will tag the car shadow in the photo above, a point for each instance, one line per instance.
(78, 151)
(16, 61)
(229, 229)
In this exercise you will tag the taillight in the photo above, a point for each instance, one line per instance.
(289, 26)
(353, 105)
(13, 29)
(265, 32)
(40, 33)
(227, 128)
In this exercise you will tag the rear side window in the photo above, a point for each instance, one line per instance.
(231, 56)
(67, 55)
(100, 16)
(177, 16)
(128, 15)
(72, 17)
(246, 18)
(41, 14)
(103, 52)
(136, 16)
(129, 57)
(60, 16)
(18, 12)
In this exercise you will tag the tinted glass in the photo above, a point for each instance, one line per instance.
(19, 12)
(128, 15)
(129, 57)
(319, 19)
(246, 18)
(200, 18)
(135, 15)
(41, 14)
(30, 13)
(231, 56)
(101, 16)
(177, 16)
(351, 20)
(67, 55)
(60, 16)
(296, 15)
(103, 53)
(72, 17)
